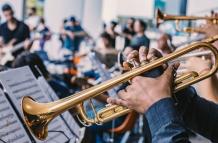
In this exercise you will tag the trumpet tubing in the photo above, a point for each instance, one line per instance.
(162, 17)
(37, 116)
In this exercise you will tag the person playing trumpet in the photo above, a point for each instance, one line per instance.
(168, 117)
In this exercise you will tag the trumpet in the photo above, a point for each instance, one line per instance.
(37, 116)
(162, 17)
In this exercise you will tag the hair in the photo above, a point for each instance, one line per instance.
(113, 23)
(42, 20)
(33, 9)
(132, 18)
(72, 19)
(33, 61)
(7, 7)
(107, 36)
(142, 23)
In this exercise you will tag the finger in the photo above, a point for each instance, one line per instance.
(127, 66)
(129, 88)
(176, 65)
(133, 58)
(154, 54)
(122, 94)
(165, 66)
(117, 101)
(133, 55)
(170, 73)
(137, 79)
(143, 52)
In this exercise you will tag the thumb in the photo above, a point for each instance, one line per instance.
(170, 72)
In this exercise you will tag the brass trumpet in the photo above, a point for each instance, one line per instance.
(162, 17)
(37, 116)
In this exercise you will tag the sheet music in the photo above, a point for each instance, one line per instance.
(66, 115)
(11, 129)
(21, 82)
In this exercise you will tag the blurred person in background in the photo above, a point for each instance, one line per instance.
(110, 29)
(44, 32)
(105, 51)
(73, 34)
(128, 31)
(13, 31)
(139, 39)
(62, 31)
(33, 19)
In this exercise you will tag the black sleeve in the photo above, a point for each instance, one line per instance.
(27, 32)
(199, 114)
(1, 29)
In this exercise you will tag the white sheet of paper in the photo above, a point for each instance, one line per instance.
(21, 82)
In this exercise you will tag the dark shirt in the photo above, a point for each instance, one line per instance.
(168, 122)
(127, 31)
(20, 33)
(138, 41)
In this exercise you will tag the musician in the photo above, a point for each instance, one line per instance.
(128, 31)
(74, 34)
(139, 39)
(105, 51)
(208, 87)
(110, 29)
(169, 117)
(164, 44)
(13, 31)
(33, 19)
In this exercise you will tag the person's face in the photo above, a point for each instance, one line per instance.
(8, 15)
(30, 12)
(138, 27)
(130, 23)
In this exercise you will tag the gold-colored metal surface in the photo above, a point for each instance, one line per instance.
(37, 116)
(162, 17)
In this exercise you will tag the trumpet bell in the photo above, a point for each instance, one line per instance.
(36, 123)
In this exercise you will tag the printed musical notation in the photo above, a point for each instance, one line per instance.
(11, 129)
(25, 84)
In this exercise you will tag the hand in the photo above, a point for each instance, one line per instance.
(140, 95)
(200, 66)
(209, 29)
(144, 91)
(135, 58)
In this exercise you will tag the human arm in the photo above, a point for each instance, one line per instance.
(155, 101)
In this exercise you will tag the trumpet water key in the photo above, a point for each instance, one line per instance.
(37, 116)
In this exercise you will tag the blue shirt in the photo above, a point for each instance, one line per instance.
(168, 122)
(73, 44)
(138, 41)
